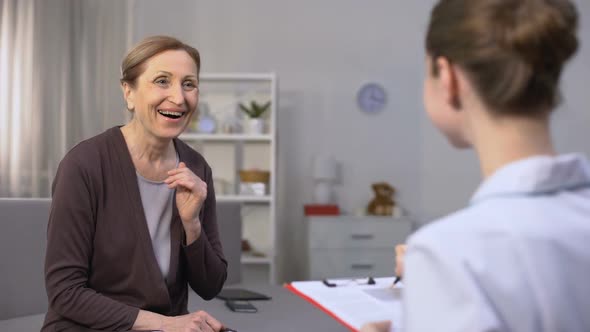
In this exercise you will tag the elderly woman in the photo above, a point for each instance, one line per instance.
(133, 215)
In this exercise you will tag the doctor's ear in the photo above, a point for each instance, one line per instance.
(448, 75)
(128, 95)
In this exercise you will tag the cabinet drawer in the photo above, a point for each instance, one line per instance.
(348, 263)
(349, 233)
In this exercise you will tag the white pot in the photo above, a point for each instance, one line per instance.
(254, 126)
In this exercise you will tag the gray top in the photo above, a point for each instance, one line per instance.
(157, 200)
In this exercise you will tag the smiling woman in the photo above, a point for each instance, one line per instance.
(133, 216)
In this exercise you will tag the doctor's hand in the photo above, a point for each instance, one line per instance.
(384, 326)
(400, 252)
(191, 192)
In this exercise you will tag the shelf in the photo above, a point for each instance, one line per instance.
(248, 259)
(226, 137)
(237, 77)
(244, 199)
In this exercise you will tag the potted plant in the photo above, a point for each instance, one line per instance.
(255, 123)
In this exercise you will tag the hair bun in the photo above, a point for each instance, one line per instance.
(513, 50)
(543, 31)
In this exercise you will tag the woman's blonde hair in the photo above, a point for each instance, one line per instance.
(133, 63)
(513, 51)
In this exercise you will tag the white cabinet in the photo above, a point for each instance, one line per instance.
(348, 246)
(229, 149)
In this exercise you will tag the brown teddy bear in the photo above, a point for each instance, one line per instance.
(382, 204)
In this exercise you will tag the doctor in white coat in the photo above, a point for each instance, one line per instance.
(517, 258)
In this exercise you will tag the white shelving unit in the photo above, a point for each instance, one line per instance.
(244, 198)
(247, 259)
(227, 153)
(227, 137)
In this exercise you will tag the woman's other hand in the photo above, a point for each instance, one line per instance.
(400, 252)
(191, 192)
(199, 321)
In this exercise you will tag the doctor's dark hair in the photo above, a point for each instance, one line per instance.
(133, 63)
(512, 51)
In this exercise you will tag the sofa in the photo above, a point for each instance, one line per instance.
(23, 224)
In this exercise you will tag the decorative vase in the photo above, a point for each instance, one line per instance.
(207, 124)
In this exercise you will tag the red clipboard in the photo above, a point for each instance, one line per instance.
(319, 306)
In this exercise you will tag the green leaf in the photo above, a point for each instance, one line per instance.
(256, 110)
(265, 106)
(245, 110)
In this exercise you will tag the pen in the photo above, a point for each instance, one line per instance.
(397, 279)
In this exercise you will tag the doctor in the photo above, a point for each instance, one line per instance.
(517, 257)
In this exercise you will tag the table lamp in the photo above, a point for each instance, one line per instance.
(324, 174)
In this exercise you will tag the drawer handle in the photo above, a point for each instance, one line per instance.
(361, 266)
(362, 236)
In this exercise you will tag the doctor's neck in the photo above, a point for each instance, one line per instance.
(503, 139)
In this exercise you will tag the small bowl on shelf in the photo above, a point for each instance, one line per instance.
(254, 182)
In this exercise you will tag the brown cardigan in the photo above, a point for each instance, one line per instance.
(100, 267)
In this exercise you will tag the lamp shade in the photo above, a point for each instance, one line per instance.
(324, 168)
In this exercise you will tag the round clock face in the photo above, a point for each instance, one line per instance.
(371, 98)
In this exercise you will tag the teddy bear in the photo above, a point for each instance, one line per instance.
(382, 204)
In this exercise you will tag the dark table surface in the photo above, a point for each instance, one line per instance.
(286, 312)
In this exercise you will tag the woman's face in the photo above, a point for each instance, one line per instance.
(165, 95)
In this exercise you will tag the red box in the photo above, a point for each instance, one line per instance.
(321, 210)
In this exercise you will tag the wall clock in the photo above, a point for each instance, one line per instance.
(371, 98)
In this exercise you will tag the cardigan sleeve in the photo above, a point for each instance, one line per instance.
(70, 237)
(206, 264)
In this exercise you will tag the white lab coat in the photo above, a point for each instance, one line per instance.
(516, 259)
